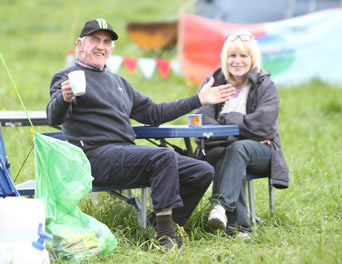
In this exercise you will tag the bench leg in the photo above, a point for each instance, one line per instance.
(143, 206)
(251, 202)
(271, 196)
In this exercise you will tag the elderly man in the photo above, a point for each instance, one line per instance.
(99, 123)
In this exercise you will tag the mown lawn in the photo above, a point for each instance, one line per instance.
(306, 227)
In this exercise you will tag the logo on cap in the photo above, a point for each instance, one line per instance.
(102, 23)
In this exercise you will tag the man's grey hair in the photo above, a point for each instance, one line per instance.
(77, 53)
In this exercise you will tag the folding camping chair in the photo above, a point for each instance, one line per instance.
(250, 179)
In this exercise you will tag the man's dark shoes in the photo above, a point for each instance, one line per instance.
(169, 243)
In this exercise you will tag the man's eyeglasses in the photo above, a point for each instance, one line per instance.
(243, 37)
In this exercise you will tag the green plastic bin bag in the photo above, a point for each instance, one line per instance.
(63, 178)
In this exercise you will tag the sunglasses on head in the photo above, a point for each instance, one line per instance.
(243, 37)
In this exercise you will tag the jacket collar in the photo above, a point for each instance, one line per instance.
(254, 75)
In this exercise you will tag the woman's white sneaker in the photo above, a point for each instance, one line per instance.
(217, 217)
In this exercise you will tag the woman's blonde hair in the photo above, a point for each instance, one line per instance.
(231, 45)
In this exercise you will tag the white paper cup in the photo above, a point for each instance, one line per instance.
(77, 82)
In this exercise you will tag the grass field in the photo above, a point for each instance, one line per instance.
(306, 227)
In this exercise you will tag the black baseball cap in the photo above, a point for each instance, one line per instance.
(96, 25)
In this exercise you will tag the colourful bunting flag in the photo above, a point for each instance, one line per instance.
(114, 63)
(164, 68)
(175, 67)
(130, 64)
(147, 66)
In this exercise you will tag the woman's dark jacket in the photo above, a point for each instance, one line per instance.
(259, 123)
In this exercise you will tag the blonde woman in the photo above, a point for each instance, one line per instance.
(254, 108)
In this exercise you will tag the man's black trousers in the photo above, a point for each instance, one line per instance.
(176, 181)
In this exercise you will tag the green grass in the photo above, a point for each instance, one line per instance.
(306, 227)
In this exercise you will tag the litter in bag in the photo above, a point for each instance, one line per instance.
(63, 178)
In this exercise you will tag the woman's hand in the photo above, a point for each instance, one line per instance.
(266, 142)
